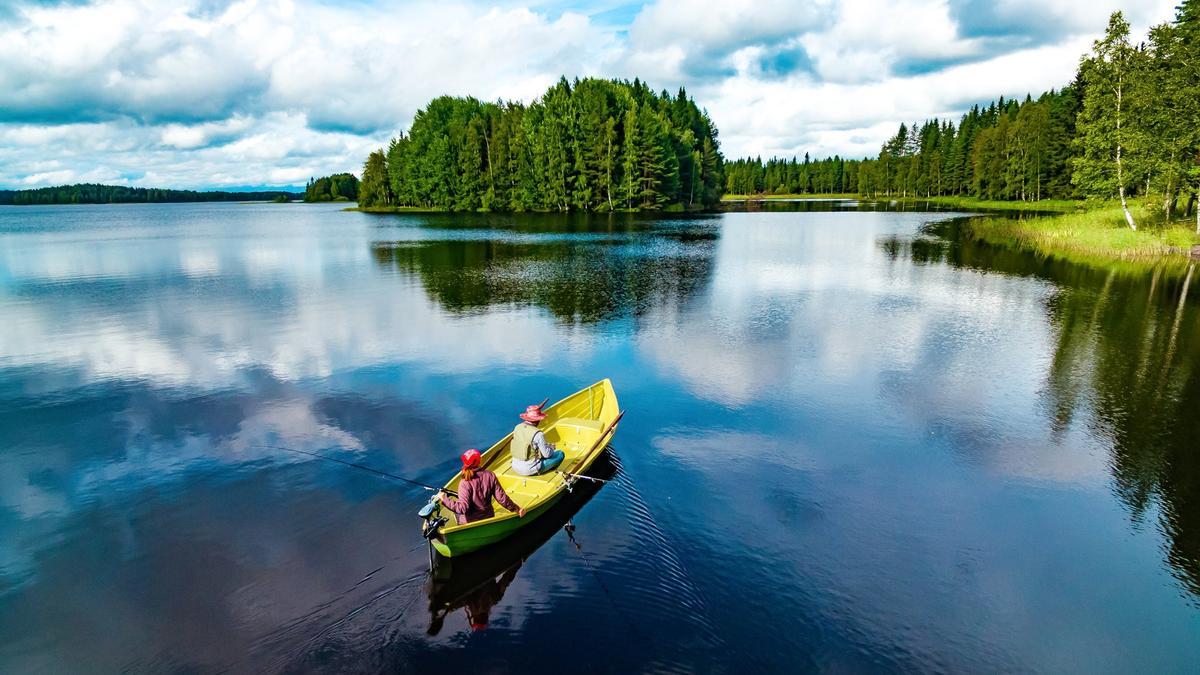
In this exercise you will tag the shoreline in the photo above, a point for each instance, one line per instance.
(1044, 206)
(1058, 206)
(790, 197)
(1074, 230)
(671, 209)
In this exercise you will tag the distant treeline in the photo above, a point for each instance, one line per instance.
(792, 176)
(339, 187)
(587, 145)
(1128, 126)
(1005, 151)
(91, 193)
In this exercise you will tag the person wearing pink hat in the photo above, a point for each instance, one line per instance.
(531, 452)
(475, 492)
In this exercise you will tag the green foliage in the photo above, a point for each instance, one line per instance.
(91, 193)
(1172, 119)
(1111, 126)
(374, 189)
(1128, 126)
(587, 145)
(1139, 103)
(791, 176)
(1006, 151)
(340, 187)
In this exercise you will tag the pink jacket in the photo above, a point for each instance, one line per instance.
(475, 498)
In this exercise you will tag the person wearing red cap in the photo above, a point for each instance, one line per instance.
(531, 452)
(475, 492)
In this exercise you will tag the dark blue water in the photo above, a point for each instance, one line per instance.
(855, 441)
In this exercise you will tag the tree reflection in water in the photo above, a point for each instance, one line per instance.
(1126, 366)
(584, 279)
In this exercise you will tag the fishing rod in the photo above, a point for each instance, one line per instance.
(354, 465)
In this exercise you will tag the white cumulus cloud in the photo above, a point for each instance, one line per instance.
(210, 94)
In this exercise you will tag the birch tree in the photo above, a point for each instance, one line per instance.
(1106, 135)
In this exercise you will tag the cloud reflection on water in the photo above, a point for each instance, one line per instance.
(886, 398)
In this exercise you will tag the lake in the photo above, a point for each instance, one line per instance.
(855, 440)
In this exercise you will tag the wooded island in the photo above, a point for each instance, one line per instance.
(587, 145)
(340, 187)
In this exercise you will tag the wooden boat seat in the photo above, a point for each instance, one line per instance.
(580, 423)
(575, 433)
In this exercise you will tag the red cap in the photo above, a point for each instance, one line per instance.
(470, 459)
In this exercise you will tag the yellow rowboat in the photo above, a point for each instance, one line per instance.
(477, 581)
(581, 425)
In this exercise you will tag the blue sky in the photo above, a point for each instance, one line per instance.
(215, 93)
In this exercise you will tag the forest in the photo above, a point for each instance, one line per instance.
(586, 145)
(1127, 127)
(340, 187)
(91, 193)
(1008, 150)
(792, 176)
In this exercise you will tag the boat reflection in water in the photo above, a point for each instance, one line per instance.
(476, 582)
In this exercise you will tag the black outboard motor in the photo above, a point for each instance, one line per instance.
(433, 524)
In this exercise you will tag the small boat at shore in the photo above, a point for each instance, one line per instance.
(581, 425)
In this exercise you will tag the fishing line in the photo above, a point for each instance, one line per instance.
(354, 465)
(685, 587)
(300, 650)
(569, 528)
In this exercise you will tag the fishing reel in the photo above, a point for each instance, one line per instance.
(568, 481)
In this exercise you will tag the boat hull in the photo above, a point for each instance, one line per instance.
(467, 541)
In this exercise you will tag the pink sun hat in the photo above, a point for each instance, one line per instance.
(533, 414)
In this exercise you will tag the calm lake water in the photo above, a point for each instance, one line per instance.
(854, 441)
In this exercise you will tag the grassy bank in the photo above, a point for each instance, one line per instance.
(963, 203)
(973, 204)
(1092, 236)
(669, 208)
